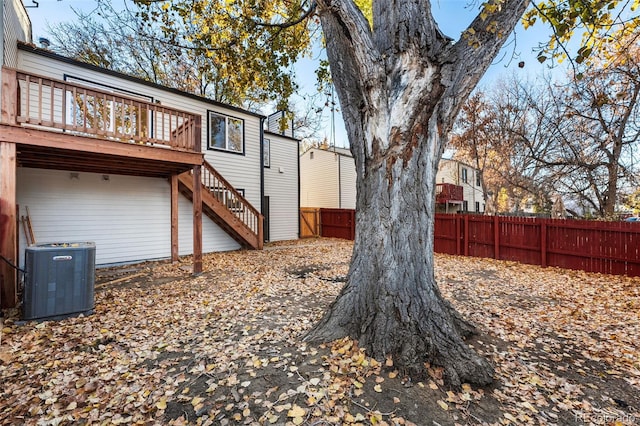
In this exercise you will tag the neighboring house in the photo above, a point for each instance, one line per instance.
(453, 172)
(327, 178)
(100, 156)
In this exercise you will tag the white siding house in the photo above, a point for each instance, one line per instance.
(281, 187)
(128, 217)
(466, 176)
(327, 179)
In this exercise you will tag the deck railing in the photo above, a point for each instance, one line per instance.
(32, 100)
(225, 193)
(447, 192)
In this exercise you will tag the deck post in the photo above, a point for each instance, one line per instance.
(8, 220)
(174, 218)
(9, 96)
(197, 220)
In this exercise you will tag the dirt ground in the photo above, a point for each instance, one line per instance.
(225, 348)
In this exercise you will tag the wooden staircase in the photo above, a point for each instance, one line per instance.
(226, 207)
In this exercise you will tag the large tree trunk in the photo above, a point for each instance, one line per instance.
(391, 302)
(400, 86)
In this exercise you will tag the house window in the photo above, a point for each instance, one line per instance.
(266, 153)
(464, 175)
(477, 207)
(226, 133)
(465, 206)
(477, 178)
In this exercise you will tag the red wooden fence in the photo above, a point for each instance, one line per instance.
(592, 246)
(338, 223)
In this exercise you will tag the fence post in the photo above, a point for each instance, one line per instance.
(543, 244)
(466, 239)
(496, 237)
(458, 225)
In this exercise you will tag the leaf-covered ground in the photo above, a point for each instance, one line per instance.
(224, 348)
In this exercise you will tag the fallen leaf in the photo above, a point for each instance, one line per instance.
(296, 411)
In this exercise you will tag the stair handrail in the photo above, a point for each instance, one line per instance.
(247, 214)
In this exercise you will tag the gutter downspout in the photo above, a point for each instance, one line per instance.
(262, 171)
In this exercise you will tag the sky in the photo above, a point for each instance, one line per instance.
(453, 16)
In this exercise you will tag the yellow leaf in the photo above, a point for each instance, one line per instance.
(162, 404)
(433, 386)
(377, 388)
(389, 362)
(197, 400)
(296, 411)
(393, 374)
(443, 405)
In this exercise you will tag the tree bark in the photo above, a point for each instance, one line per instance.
(400, 85)
(391, 302)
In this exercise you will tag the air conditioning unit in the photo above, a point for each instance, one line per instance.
(59, 280)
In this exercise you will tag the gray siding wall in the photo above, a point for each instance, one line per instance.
(281, 186)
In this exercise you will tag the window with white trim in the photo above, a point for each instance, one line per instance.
(225, 133)
(266, 153)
